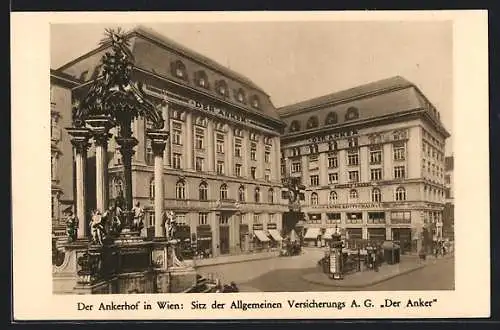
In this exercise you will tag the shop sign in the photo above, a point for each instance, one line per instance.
(271, 226)
(258, 226)
(349, 206)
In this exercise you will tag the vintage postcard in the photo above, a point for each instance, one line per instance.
(309, 165)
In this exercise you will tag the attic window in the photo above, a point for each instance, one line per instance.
(331, 118)
(240, 95)
(255, 102)
(295, 126)
(221, 87)
(352, 113)
(202, 79)
(312, 122)
(179, 70)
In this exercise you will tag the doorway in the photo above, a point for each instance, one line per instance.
(224, 233)
(403, 235)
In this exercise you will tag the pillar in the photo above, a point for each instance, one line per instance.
(79, 140)
(214, 226)
(189, 141)
(245, 156)
(276, 160)
(364, 175)
(158, 143)
(166, 116)
(210, 146)
(229, 151)
(323, 166)
(261, 164)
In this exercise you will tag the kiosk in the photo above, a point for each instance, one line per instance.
(336, 258)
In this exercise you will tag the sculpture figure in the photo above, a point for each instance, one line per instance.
(138, 212)
(71, 227)
(170, 224)
(114, 216)
(97, 227)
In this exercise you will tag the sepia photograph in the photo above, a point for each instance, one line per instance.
(222, 157)
(308, 165)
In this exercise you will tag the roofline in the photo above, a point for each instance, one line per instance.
(66, 81)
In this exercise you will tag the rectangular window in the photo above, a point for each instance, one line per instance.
(176, 160)
(352, 158)
(354, 218)
(375, 155)
(180, 218)
(252, 172)
(333, 162)
(256, 218)
(220, 167)
(314, 180)
(283, 169)
(267, 157)
(376, 217)
(399, 172)
(237, 169)
(220, 143)
(177, 133)
(253, 151)
(333, 178)
(447, 179)
(399, 151)
(151, 219)
(267, 176)
(296, 167)
(199, 164)
(353, 176)
(202, 218)
(376, 174)
(332, 218)
(200, 139)
(400, 217)
(237, 147)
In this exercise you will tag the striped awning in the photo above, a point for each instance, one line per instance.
(275, 234)
(329, 232)
(312, 233)
(261, 235)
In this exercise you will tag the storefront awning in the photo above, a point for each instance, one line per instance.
(261, 236)
(275, 234)
(329, 232)
(312, 233)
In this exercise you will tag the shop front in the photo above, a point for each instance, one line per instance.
(328, 235)
(354, 237)
(312, 237)
(260, 241)
(244, 238)
(376, 235)
(403, 236)
(274, 235)
(183, 234)
(204, 241)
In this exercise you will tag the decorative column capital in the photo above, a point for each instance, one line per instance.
(101, 138)
(158, 141)
(79, 138)
(100, 128)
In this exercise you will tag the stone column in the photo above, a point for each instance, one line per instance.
(245, 155)
(229, 151)
(166, 128)
(79, 140)
(158, 143)
(189, 141)
(323, 169)
(276, 159)
(210, 146)
(261, 164)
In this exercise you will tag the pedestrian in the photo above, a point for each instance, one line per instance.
(234, 288)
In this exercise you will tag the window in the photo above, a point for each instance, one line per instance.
(353, 142)
(354, 218)
(295, 152)
(237, 147)
(237, 170)
(296, 167)
(332, 145)
(253, 151)
(151, 219)
(267, 176)
(152, 189)
(312, 122)
(176, 160)
(376, 195)
(332, 218)
(352, 157)
(220, 167)
(376, 174)
(333, 162)
(149, 152)
(294, 126)
(314, 180)
(252, 172)
(223, 192)
(313, 149)
(267, 157)
(221, 87)
(202, 218)
(240, 96)
(199, 164)
(180, 190)
(314, 199)
(333, 178)
(118, 187)
(199, 138)
(376, 217)
(400, 217)
(220, 143)
(375, 155)
(223, 220)
(255, 102)
(180, 218)
(270, 196)
(177, 133)
(257, 195)
(331, 118)
(351, 114)
(400, 194)
(256, 218)
(399, 151)
(332, 197)
(399, 172)
(203, 191)
(179, 69)
(447, 179)
(353, 176)
(202, 79)
(53, 167)
(353, 194)
(241, 194)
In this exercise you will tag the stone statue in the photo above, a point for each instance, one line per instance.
(138, 212)
(97, 227)
(114, 216)
(170, 224)
(71, 227)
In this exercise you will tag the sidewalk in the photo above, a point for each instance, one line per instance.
(199, 263)
(368, 277)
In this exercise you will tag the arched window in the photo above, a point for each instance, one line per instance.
(152, 188)
(240, 96)
(223, 191)
(241, 194)
(400, 194)
(312, 122)
(351, 114)
(332, 197)
(202, 79)
(353, 194)
(118, 187)
(331, 118)
(255, 102)
(179, 70)
(314, 199)
(203, 191)
(376, 195)
(295, 126)
(180, 190)
(257, 195)
(221, 87)
(270, 196)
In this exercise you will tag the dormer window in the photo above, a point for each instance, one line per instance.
(255, 102)
(352, 113)
(312, 122)
(295, 126)
(240, 95)
(331, 118)
(202, 79)
(179, 70)
(221, 87)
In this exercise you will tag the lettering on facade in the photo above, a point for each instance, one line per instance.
(349, 206)
(217, 111)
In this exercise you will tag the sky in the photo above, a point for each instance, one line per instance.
(296, 61)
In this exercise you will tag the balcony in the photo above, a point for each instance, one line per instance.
(227, 204)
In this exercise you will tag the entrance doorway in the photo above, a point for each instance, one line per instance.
(403, 235)
(224, 233)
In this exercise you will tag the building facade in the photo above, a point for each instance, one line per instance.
(372, 160)
(222, 160)
(448, 217)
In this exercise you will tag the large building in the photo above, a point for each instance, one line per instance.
(372, 159)
(222, 160)
(448, 216)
